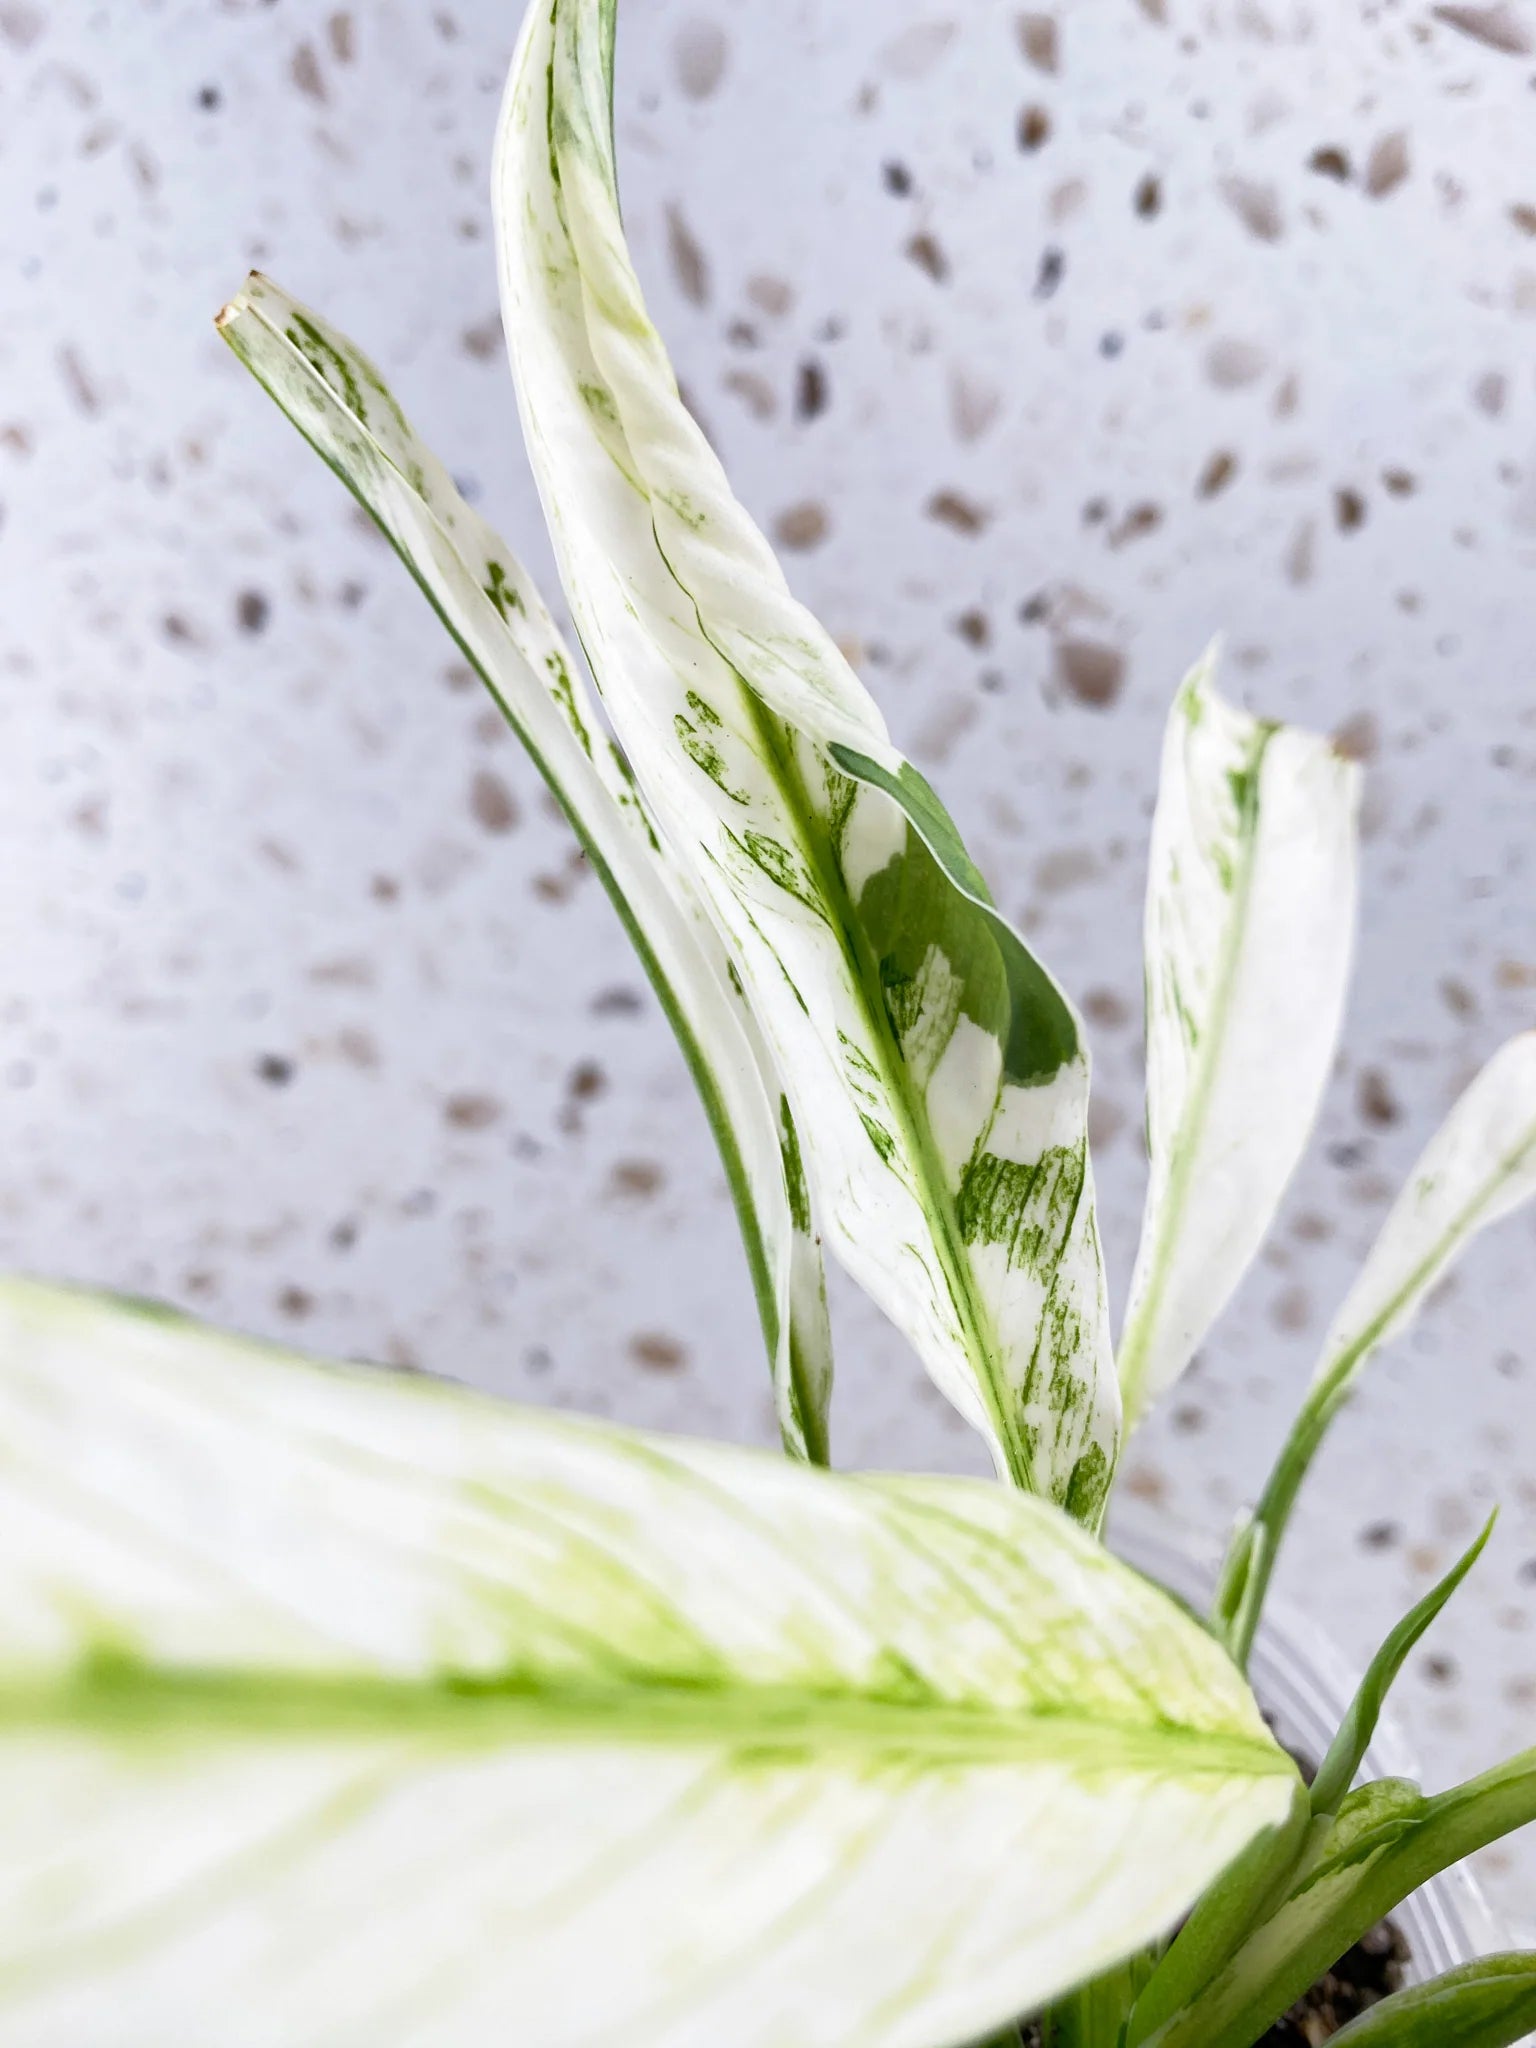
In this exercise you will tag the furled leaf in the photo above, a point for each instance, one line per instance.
(1346, 1752)
(1225, 1915)
(339, 402)
(1249, 927)
(938, 1075)
(1387, 1840)
(1486, 2004)
(1479, 1166)
(1243, 1897)
(341, 1706)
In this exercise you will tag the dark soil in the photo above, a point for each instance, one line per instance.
(1357, 1981)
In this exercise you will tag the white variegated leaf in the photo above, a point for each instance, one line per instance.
(338, 401)
(1249, 929)
(341, 1707)
(938, 1076)
(1479, 1166)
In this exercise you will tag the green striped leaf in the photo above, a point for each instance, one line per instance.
(1249, 926)
(1346, 1753)
(938, 1074)
(1486, 2004)
(1388, 1839)
(338, 401)
(1479, 1167)
(341, 1706)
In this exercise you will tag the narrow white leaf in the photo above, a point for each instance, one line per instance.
(339, 402)
(937, 1073)
(341, 1707)
(1479, 1166)
(1249, 929)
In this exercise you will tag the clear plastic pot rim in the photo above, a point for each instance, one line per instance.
(1304, 1684)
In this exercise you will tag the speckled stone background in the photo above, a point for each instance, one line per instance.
(1046, 344)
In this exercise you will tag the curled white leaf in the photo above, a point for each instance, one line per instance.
(1249, 931)
(336, 398)
(937, 1074)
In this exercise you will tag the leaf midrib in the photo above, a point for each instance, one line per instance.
(977, 1326)
(117, 1697)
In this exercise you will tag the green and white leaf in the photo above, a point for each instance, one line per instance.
(1487, 2004)
(938, 1075)
(1479, 1167)
(338, 1706)
(1249, 928)
(338, 401)
(1387, 1840)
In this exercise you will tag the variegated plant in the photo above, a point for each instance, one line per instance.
(336, 1707)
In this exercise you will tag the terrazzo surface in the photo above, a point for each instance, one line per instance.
(1045, 345)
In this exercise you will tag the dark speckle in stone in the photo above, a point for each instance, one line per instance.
(1219, 470)
(641, 1178)
(1457, 997)
(1387, 165)
(959, 513)
(1091, 672)
(275, 1068)
(471, 1110)
(617, 1002)
(1499, 27)
(1358, 737)
(587, 1081)
(1034, 129)
(810, 389)
(657, 1352)
(1040, 41)
(491, 803)
(1104, 1007)
(802, 526)
(251, 611)
(927, 252)
(690, 271)
(1053, 267)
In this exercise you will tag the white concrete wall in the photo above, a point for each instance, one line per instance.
(308, 1018)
